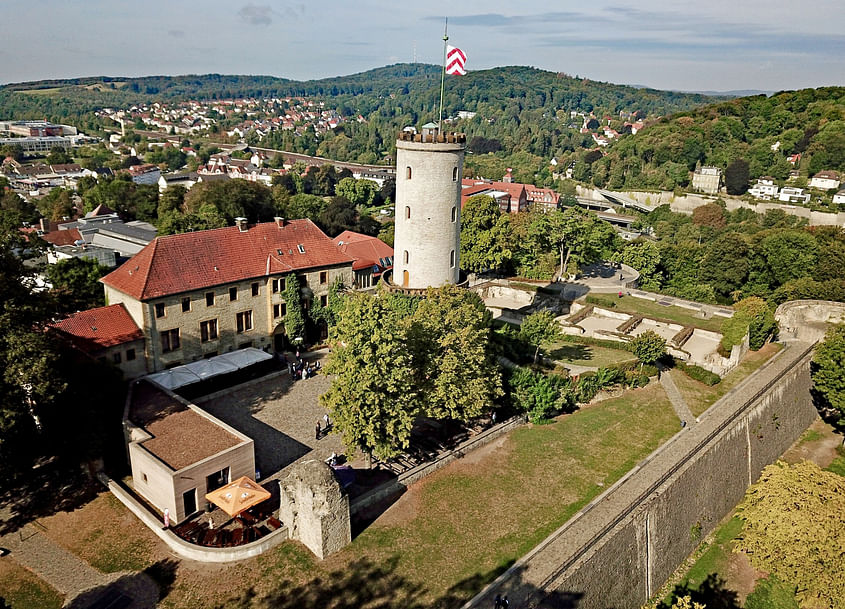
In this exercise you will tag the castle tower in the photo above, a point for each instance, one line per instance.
(429, 167)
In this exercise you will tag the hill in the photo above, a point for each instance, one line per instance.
(521, 108)
(760, 130)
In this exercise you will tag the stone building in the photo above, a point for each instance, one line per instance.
(429, 166)
(200, 294)
(707, 180)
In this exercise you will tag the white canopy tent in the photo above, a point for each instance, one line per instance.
(204, 369)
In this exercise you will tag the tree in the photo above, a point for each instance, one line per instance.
(644, 256)
(388, 234)
(58, 156)
(539, 329)
(829, 368)
(485, 233)
(788, 254)
(233, 198)
(305, 206)
(794, 528)
(711, 215)
(726, 264)
(736, 177)
(294, 315)
(361, 193)
(338, 216)
(760, 319)
(648, 347)
(581, 236)
(56, 205)
(76, 283)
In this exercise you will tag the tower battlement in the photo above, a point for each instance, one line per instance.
(433, 138)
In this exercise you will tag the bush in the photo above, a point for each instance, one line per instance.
(596, 342)
(602, 301)
(540, 396)
(698, 373)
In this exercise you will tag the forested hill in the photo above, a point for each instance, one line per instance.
(762, 131)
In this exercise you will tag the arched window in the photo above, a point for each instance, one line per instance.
(455, 174)
(408, 173)
(405, 257)
(452, 258)
(454, 213)
(407, 213)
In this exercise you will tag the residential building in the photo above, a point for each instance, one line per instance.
(707, 180)
(187, 180)
(839, 197)
(145, 174)
(200, 294)
(108, 334)
(790, 194)
(544, 199)
(825, 180)
(511, 196)
(765, 189)
(102, 255)
(371, 256)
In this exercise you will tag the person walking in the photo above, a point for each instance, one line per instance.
(497, 602)
(326, 421)
(319, 431)
(505, 602)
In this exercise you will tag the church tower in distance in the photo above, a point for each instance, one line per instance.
(427, 238)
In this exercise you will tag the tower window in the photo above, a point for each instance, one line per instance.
(454, 174)
(454, 213)
(452, 258)
(407, 212)
(405, 257)
(408, 173)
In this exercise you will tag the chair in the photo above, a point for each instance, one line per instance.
(274, 522)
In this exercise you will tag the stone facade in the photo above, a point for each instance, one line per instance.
(314, 508)
(265, 310)
(428, 209)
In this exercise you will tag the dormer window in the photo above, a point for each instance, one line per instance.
(301, 248)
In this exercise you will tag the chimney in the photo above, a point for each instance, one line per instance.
(280, 222)
(241, 224)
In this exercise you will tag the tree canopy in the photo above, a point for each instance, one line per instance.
(829, 368)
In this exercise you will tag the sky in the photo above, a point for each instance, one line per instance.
(717, 45)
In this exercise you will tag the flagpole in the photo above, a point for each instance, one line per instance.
(443, 77)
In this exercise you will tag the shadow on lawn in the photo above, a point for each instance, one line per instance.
(366, 584)
(572, 352)
(143, 589)
(712, 593)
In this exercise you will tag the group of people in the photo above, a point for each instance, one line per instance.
(501, 603)
(299, 370)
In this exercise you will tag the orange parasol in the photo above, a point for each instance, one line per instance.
(238, 496)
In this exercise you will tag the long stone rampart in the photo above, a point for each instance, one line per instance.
(622, 547)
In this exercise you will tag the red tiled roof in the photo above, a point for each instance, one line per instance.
(365, 250)
(63, 237)
(99, 328)
(192, 261)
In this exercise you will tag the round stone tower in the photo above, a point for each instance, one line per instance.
(427, 238)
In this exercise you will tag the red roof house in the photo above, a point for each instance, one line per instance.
(97, 329)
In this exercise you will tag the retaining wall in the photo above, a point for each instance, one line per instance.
(635, 558)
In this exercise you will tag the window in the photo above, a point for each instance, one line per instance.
(144, 476)
(130, 355)
(159, 309)
(169, 340)
(233, 294)
(407, 213)
(324, 277)
(454, 213)
(455, 174)
(324, 300)
(186, 305)
(407, 173)
(209, 299)
(405, 257)
(277, 311)
(244, 321)
(284, 309)
(116, 357)
(255, 289)
(208, 330)
(276, 286)
(301, 248)
(452, 258)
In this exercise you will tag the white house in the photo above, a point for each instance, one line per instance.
(839, 197)
(825, 180)
(764, 189)
(790, 194)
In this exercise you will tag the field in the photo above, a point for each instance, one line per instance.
(588, 355)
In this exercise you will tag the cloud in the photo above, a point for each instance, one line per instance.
(176, 33)
(257, 14)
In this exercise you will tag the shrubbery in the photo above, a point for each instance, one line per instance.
(698, 373)
(602, 301)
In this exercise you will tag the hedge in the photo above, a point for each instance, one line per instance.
(595, 342)
(602, 301)
(698, 373)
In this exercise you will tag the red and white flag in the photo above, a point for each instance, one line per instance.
(455, 60)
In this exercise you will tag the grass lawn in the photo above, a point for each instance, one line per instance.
(438, 544)
(587, 355)
(700, 397)
(24, 590)
(648, 308)
(105, 534)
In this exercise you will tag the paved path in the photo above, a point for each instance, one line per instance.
(675, 396)
(62, 570)
(542, 571)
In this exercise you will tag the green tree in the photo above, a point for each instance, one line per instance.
(648, 347)
(387, 234)
(760, 319)
(58, 156)
(485, 235)
(726, 264)
(787, 255)
(305, 206)
(76, 283)
(56, 204)
(339, 215)
(737, 176)
(233, 198)
(711, 215)
(539, 329)
(794, 529)
(295, 315)
(361, 193)
(644, 256)
(829, 368)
